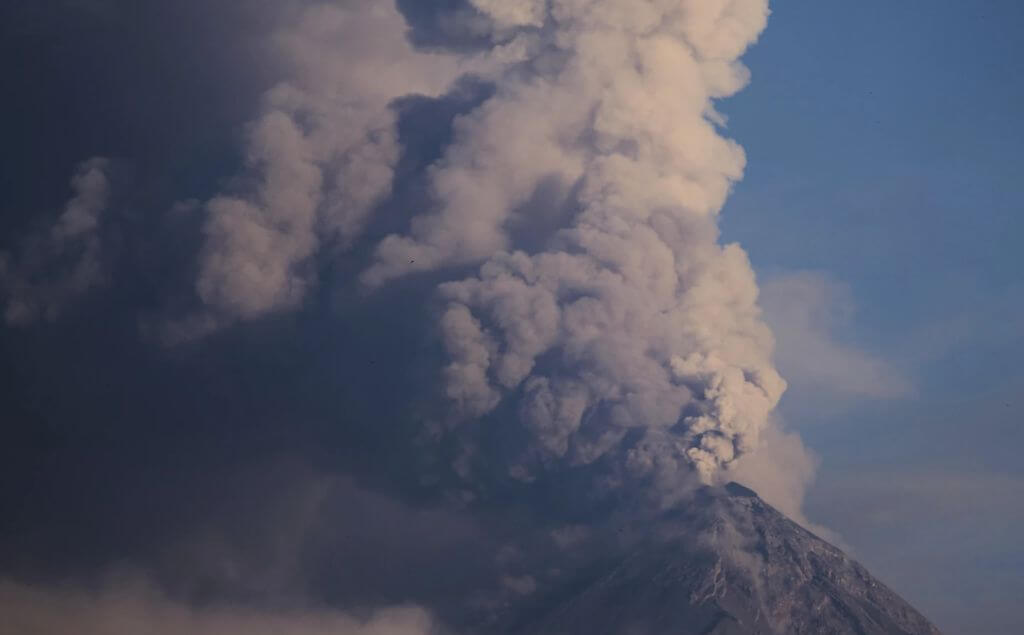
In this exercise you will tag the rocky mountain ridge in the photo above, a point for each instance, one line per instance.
(727, 563)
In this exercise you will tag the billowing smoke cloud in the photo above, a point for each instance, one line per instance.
(130, 608)
(584, 193)
(586, 190)
(590, 324)
(630, 333)
(62, 263)
(320, 156)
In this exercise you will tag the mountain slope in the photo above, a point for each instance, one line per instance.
(727, 563)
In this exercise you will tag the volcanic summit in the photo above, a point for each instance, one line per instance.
(727, 563)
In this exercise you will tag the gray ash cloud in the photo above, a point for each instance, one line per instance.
(457, 260)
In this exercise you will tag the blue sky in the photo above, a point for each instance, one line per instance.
(883, 141)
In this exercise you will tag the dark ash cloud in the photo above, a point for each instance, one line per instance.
(387, 290)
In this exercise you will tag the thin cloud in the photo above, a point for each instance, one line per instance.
(807, 311)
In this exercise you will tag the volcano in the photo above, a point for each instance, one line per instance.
(726, 563)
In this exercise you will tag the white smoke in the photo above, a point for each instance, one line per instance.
(633, 318)
(62, 263)
(782, 471)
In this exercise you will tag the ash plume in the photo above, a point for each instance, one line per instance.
(573, 215)
(461, 340)
(625, 332)
(319, 156)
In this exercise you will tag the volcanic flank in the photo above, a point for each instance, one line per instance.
(726, 564)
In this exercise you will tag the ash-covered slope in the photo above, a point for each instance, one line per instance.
(727, 563)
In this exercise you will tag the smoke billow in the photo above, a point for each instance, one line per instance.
(584, 193)
(562, 222)
(319, 157)
(629, 333)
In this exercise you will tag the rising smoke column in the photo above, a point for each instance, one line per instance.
(605, 311)
(631, 335)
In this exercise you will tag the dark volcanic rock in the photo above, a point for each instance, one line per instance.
(727, 563)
